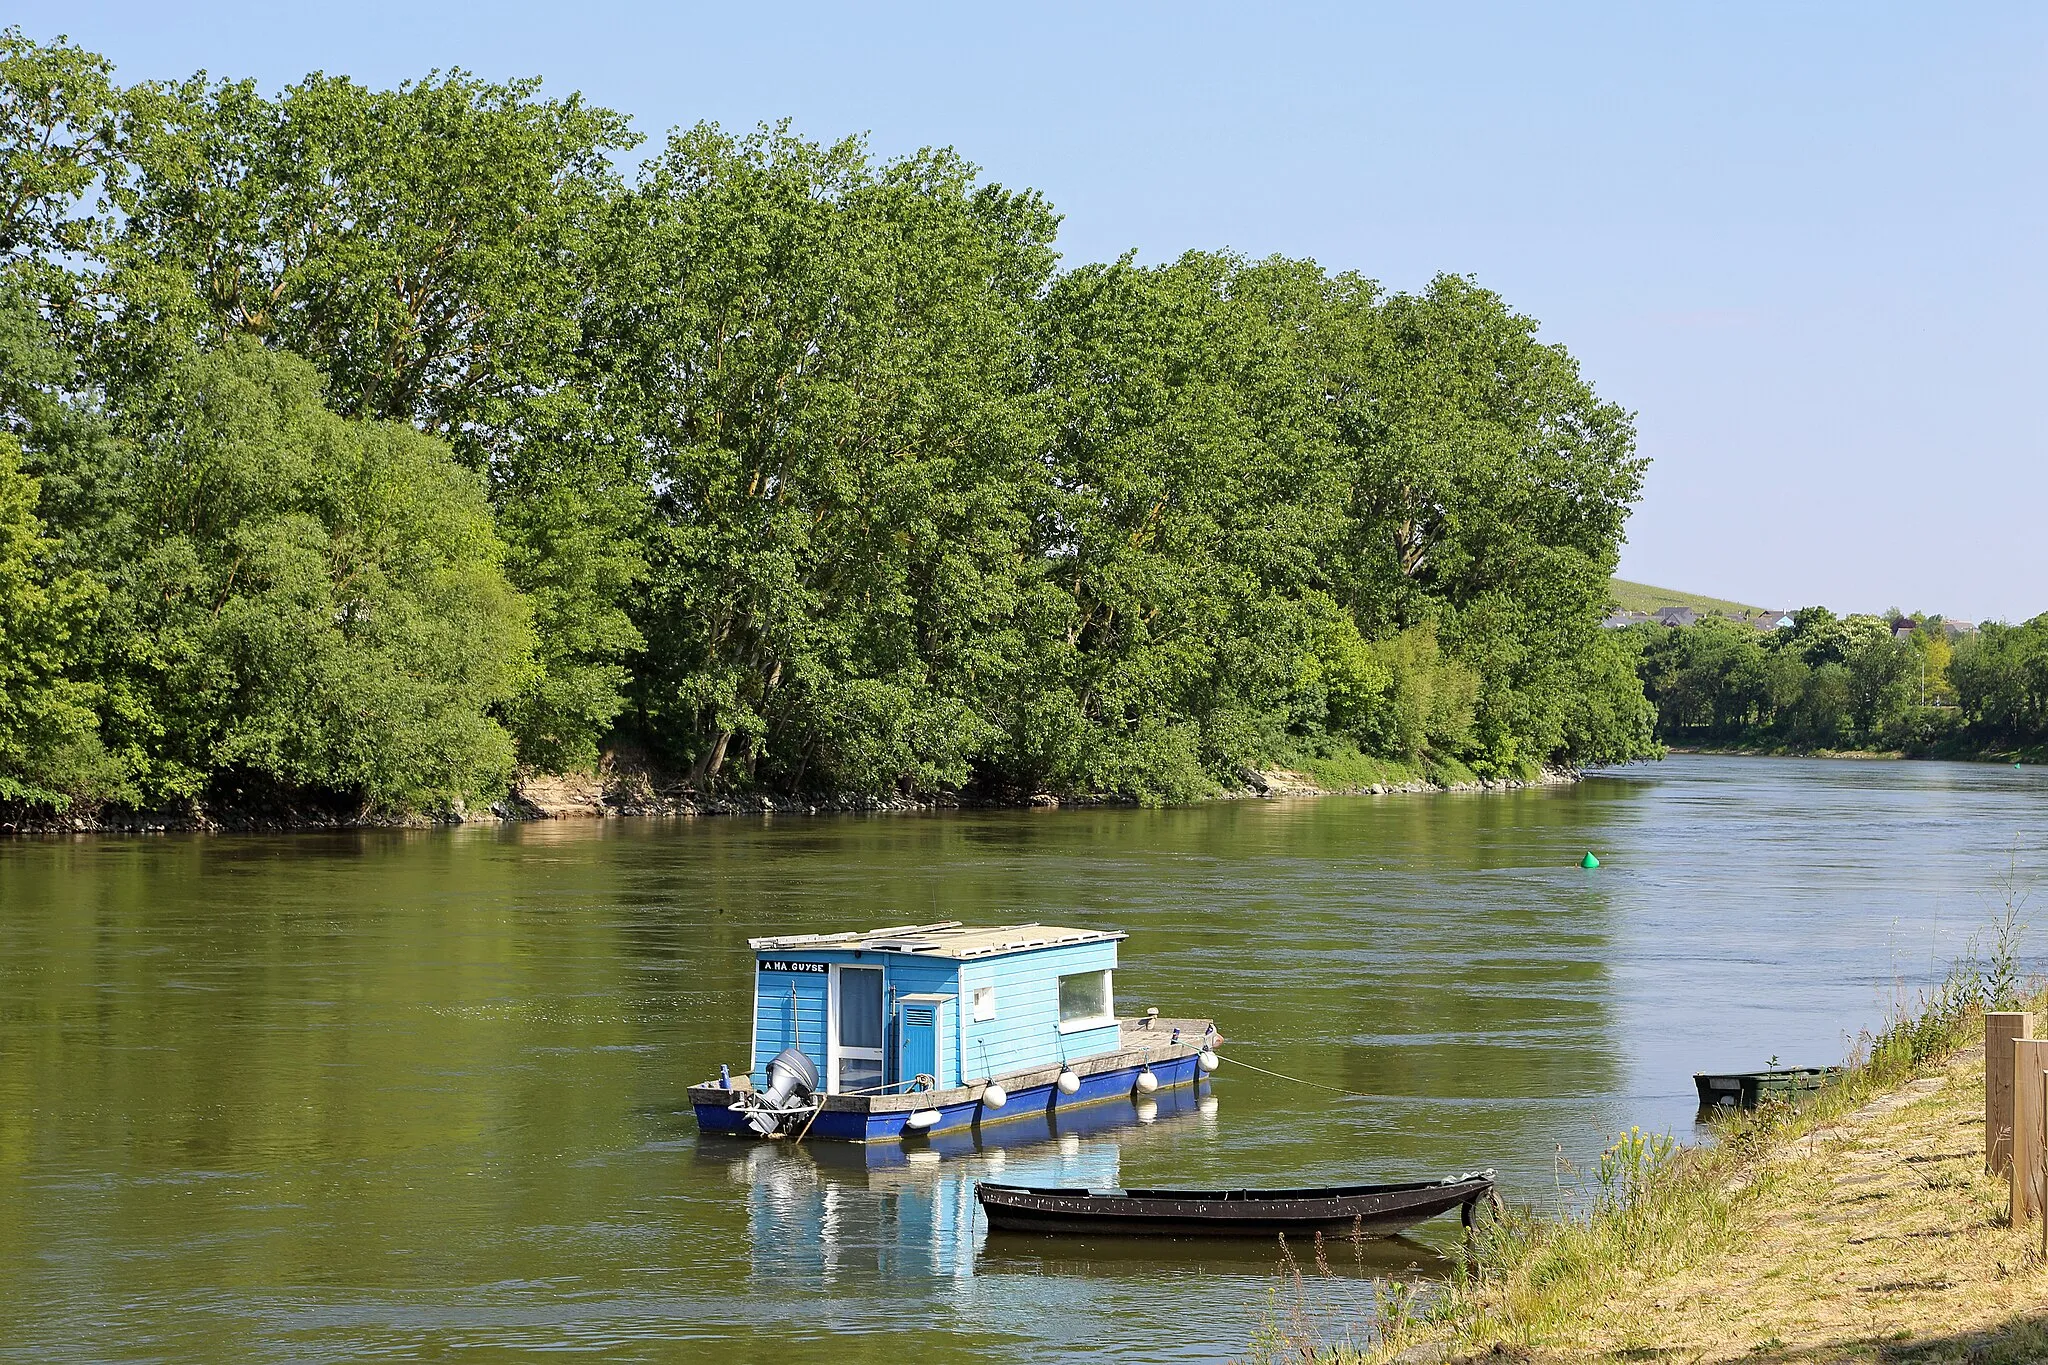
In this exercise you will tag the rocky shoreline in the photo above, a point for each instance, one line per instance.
(625, 790)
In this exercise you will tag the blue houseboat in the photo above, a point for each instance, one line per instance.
(937, 1028)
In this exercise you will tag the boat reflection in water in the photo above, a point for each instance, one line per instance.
(907, 1212)
(907, 1209)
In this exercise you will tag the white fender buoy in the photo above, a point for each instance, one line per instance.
(1147, 1082)
(1069, 1083)
(922, 1119)
(994, 1096)
(1207, 1060)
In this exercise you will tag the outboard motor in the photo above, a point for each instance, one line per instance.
(791, 1076)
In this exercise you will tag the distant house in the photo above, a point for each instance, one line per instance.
(1784, 623)
(1958, 628)
(1618, 620)
(1676, 616)
(1904, 627)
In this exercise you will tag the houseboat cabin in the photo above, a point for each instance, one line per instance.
(861, 1035)
(880, 1009)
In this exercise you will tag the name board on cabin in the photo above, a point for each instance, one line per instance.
(783, 964)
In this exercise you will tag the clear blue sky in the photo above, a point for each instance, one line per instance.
(1804, 243)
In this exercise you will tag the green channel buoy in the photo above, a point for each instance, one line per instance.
(1589, 861)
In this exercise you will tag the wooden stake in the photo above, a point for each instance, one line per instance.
(2030, 1061)
(1999, 1031)
(2043, 1173)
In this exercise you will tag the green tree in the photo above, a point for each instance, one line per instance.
(1931, 644)
(1823, 716)
(813, 458)
(1711, 680)
(1490, 483)
(1433, 702)
(58, 119)
(1608, 719)
(1191, 487)
(2001, 682)
(310, 601)
(826, 360)
(1885, 677)
(49, 743)
(431, 249)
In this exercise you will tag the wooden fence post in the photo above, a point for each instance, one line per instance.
(2030, 1063)
(2000, 1028)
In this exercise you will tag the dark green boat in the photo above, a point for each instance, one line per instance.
(1748, 1089)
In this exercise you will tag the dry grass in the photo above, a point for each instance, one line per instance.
(1877, 1238)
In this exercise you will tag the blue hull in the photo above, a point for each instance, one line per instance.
(1038, 1102)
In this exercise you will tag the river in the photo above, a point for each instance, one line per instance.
(406, 1094)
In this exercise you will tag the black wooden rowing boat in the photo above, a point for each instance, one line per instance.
(1372, 1210)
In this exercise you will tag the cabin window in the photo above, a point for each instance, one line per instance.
(1085, 999)
(984, 1003)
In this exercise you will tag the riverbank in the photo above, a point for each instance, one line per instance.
(2034, 755)
(1863, 1228)
(625, 789)
(1783, 751)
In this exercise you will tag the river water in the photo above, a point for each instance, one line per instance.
(421, 1093)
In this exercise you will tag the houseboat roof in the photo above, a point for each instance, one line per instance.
(946, 939)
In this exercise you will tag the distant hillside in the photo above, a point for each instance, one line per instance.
(1644, 598)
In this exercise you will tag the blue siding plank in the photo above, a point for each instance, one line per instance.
(1025, 1032)
(777, 1009)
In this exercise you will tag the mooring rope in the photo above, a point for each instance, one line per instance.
(816, 1110)
(1234, 1061)
(1299, 1080)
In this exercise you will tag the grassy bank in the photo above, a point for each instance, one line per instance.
(1337, 766)
(1860, 1227)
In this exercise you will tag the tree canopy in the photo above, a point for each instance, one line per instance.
(1890, 683)
(379, 443)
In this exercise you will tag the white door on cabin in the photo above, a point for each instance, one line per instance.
(857, 1014)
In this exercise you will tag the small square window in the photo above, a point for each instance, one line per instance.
(984, 1003)
(1085, 997)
